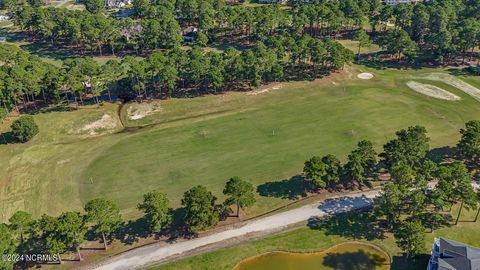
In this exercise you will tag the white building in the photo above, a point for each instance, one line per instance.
(4, 18)
(117, 3)
(189, 34)
(451, 255)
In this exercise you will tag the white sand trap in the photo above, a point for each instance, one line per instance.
(107, 122)
(455, 82)
(365, 76)
(138, 111)
(432, 91)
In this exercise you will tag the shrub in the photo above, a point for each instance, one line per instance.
(24, 129)
(202, 40)
(3, 113)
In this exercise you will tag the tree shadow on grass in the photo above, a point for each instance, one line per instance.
(13, 36)
(467, 71)
(291, 189)
(44, 49)
(441, 153)
(358, 260)
(401, 263)
(373, 63)
(7, 138)
(357, 224)
(433, 220)
(60, 107)
(344, 204)
(132, 230)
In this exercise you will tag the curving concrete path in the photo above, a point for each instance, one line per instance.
(157, 253)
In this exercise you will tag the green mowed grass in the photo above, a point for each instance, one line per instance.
(270, 137)
(206, 140)
(353, 46)
(42, 176)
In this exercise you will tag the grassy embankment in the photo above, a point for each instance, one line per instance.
(339, 231)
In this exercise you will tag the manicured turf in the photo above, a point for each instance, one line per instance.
(264, 137)
(353, 46)
(268, 136)
(42, 176)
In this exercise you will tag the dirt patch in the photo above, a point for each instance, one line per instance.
(264, 90)
(63, 161)
(432, 91)
(455, 82)
(365, 76)
(106, 123)
(346, 71)
(138, 111)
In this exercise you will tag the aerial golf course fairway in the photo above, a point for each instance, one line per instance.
(262, 137)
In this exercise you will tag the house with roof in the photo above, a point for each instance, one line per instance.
(110, 4)
(451, 255)
(4, 18)
(189, 33)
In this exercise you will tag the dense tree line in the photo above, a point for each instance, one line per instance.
(429, 30)
(422, 192)
(176, 72)
(440, 30)
(158, 24)
(86, 31)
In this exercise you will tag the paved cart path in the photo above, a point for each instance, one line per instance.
(156, 253)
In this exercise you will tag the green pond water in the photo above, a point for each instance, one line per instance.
(348, 256)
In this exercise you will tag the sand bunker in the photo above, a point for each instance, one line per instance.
(365, 76)
(138, 111)
(432, 91)
(107, 122)
(455, 82)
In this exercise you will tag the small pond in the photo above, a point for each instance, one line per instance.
(346, 256)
